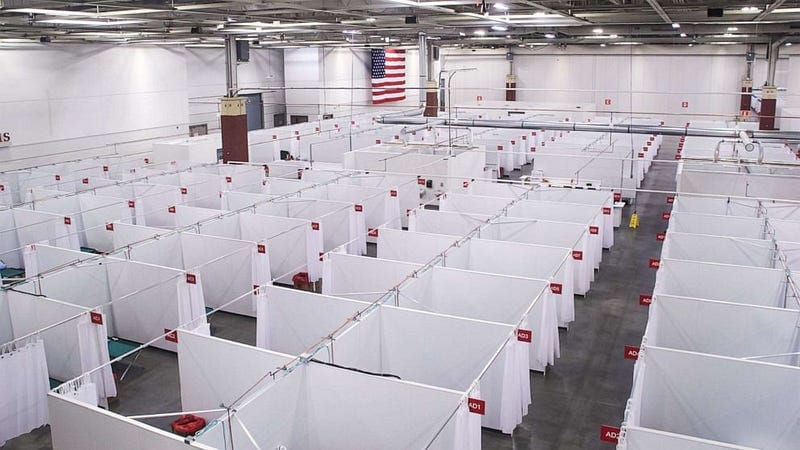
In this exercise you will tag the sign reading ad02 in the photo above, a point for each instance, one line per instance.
(5, 139)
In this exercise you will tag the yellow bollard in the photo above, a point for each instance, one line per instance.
(634, 223)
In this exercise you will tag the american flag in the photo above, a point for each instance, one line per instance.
(388, 75)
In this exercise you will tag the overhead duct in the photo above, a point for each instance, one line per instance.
(729, 133)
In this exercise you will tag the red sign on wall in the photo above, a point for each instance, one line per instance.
(660, 236)
(476, 406)
(577, 255)
(109, 227)
(607, 102)
(373, 232)
(666, 215)
(594, 230)
(228, 179)
(67, 221)
(131, 204)
(654, 263)
(609, 434)
(262, 248)
(479, 98)
(645, 299)
(671, 199)
(607, 211)
(421, 181)
(315, 226)
(556, 288)
(393, 193)
(96, 318)
(171, 335)
(684, 104)
(617, 196)
(359, 208)
(191, 278)
(171, 209)
(524, 335)
(631, 352)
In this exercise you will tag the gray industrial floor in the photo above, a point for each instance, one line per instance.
(587, 387)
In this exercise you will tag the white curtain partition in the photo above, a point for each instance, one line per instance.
(715, 205)
(701, 395)
(525, 303)
(733, 226)
(594, 197)
(441, 222)
(229, 268)
(737, 284)
(23, 399)
(637, 438)
(785, 230)
(20, 227)
(719, 249)
(557, 234)
(179, 216)
(491, 189)
(40, 258)
(724, 329)
(410, 246)
(593, 217)
(790, 251)
(388, 414)
(362, 278)
(147, 300)
(403, 190)
(197, 189)
(72, 348)
(420, 347)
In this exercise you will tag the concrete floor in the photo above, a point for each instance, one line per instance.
(587, 387)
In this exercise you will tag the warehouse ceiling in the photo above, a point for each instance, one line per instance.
(469, 23)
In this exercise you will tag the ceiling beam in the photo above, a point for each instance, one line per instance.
(660, 10)
(772, 7)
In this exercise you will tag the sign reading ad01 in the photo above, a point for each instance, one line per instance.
(5, 139)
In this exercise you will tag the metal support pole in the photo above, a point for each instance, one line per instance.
(231, 77)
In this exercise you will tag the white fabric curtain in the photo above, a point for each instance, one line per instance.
(81, 390)
(392, 212)
(262, 320)
(93, 347)
(262, 272)
(314, 248)
(30, 260)
(191, 304)
(23, 397)
(358, 233)
(66, 236)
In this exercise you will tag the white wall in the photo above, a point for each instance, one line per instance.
(660, 77)
(205, 69)
(56, 99)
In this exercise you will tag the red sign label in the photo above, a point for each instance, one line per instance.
(58, 177)
(296, 132)
(274, 136)
(556, 288)
(315, 226)
(607, 211)
(191, 278)
(607, 102)
(109, 227)
(421, 181)
(105, 168)
(396, 137)
(479, 98)
(131, 204)
(266, 170)
(577, 255)
(96, 318)
(641, 155)
(359, 208)
(677, 156)
(465, 184)
(513, 142)
(666, 215)
(373, 232)
(377, 141)
(321, 254)
(631, 352)
(684, 105)
(171, 335)
(85, 181)
(228, 179)
(476, 406)
(645, 299)
(147, 160)
(524, 335)
(617, 196)
(661, 236)
(393, 193)
(654, 263)
(171, 209)
(67, 221)
(609, 434)
(594, 230)
(184, 191)
(299, 173)
(670, 199)
(262, 248)
(2, 188)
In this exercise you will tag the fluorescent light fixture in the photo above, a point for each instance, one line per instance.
(501, 6)
(220, 26)
(612, 36)
(627, 43)
(602, 45)
(788, 44)
(508, 36)
(461, 33)
(539, 14)
(371, 19)
(351, 32)
(597, 30)
(683, 34)
(676, 25)
(550, 36)
(750, 9)
(727, 35)
(91, 23)
(733, 29)
(479, 33)
(691, 45)
(499, 28)
(50, 12)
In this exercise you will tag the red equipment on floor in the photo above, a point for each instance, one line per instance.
(188, 425)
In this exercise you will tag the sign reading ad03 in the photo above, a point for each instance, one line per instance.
(5, 139)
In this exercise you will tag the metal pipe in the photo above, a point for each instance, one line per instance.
(231, 78)
(772, 59)
(730, 133)
(423, 66)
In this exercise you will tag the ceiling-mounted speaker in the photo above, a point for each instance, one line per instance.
(411, 20)
(715, 12)
(242, 51)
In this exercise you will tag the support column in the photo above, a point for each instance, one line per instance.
(744, 104)
(234, 129)
(432, 99)
(769, 98)
(511, 88)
